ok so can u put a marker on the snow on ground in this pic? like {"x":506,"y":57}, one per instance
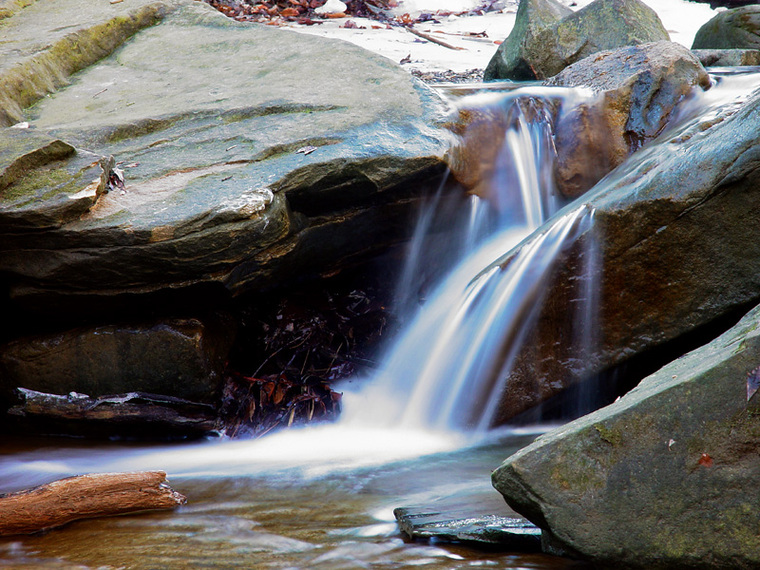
{"x":682,"y":19}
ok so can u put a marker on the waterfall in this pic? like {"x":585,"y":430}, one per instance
{"x":447,"y":369}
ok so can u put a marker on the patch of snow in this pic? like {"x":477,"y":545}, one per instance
{"x":476,"y":38}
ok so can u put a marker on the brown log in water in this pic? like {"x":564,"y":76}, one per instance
{"x":85,"y":496}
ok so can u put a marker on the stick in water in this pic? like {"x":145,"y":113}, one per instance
{"x":85,"y":496}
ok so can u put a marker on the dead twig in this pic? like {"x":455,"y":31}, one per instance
{"x":430,"y":38}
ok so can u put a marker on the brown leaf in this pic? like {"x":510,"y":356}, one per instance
{"x":706,"y":460}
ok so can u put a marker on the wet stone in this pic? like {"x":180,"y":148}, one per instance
{"x":129,"y":415}
{"x":511,"y":533}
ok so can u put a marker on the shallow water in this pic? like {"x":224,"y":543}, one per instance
{"x":283,"y":517}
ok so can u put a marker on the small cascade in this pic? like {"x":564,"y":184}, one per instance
{"x":446,"y":372}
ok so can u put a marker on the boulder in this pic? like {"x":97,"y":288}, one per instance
{"x":512,"y":59}
{"x":738,"y":28}
{"x":632,"y":94}
{"x":178,"y":357}
{"x":666,"y":255}
{"x":668,"y":476}
{"x":727,"y":57}
{"x":546,"y":38}
{"x":638,"y":89}
{"x":243,"y":166}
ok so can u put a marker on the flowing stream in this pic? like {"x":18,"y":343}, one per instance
{"x":415,"y":434}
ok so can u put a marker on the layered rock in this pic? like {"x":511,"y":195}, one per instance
{"x":638,"y":89}
{"x":144,"y":186}
{"x":547,"y":37}
{"x":209,"y":143}
{"x":738,"y":28}
{"x":666,"y":250}
{"x":667,"y":476}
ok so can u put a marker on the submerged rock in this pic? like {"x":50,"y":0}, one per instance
{"x":510,"y":533}
{"x":668,"y":476}
{"x":738,"y":28}
{"x":638,"y":89}
{"x":666,"y":254}
{"x":547,"y":37}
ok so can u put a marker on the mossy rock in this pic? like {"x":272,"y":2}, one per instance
{"x":666,"y":477}
{"x":738,"y":28}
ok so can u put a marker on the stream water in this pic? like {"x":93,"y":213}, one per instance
{"x":413,"y":435}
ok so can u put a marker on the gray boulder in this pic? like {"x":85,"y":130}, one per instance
{"x":638,"y":89}
{"x":243,"y":165}
{"x":667,"y":253}
{"x":738,"y":28}
{"x":512,"y":59}
{"x":546,"y":39}
{"x":668,"y":476}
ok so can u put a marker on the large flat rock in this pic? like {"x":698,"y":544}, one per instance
{"x":250,"y":155}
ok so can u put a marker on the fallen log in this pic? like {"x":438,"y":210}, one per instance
{"x":85,"y":496}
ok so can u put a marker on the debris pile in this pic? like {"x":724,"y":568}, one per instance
{"x":293,"y":346}
{"x":310,"y":12}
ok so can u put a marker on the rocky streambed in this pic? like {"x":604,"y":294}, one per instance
{"x":201,"y":221}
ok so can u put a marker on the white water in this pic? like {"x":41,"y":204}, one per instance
{"x":447,"y":370}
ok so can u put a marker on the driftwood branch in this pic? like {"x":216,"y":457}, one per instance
{"x":433,"y":39}
{"x":85,"y":496}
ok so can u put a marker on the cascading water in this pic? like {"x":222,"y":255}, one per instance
{"x":318,"y":497}
{"x":442,"y":379}
{"x":446,"y":372}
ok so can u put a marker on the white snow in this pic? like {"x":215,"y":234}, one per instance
{"x":682,"y":19}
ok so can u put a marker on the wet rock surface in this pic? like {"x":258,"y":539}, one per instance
{"x":738,"y":28}
{"x":216,"y":189}
{"x":180,"y":357}
{"x":665,"y":477}
{"x":134,"y":415}
{"x":547,"y":37}
{"x":510,"y":533}
{"x":638,"y":90}
{"x":669,"y":232}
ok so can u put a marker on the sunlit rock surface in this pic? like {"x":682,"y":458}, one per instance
{"x":547,"y":36}
{"x":639,"y":89}
{"x":671,"y":254}
{"x":666,"y":477}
